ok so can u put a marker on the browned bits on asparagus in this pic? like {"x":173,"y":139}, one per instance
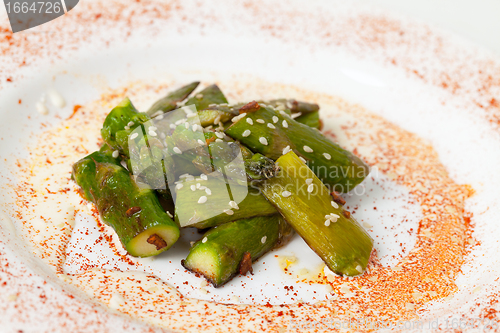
{"x":347,"y":214}
{"x":246,"y":264}
{"x":337,"y":198}
{"x":157,"y":241}
{"x":250,"y":107}
{"x":131,"y":211}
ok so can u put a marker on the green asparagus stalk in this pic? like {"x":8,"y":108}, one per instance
{"x":223,"y":201}
{"x":310,"y":119}
{"x":231,"y":248}
{"x":212,"y":106}
{"x":327,"y":228}
{"x":134,"y":213}
{"x":171,"y":101}
{"x":273,"y":134}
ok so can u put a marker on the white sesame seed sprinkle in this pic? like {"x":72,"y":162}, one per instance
{"x":152,"y":133}
{"x":172,"y":126}
{"x":179,"y":186}
{"x":201,"y":142}
{"x":285,"y":124}
{"x":263,"y":239}
{"x":177,"y":150}
{"x":260,"y":121}
{"x":335,"y":205}
{"x":153,"y":128}
{"x":327,"y":156}
{"x":283,"y":113}
{"x":169,"y":214}
{"x":271,"y":126}
{"x":160,"y":117}
{"x":228,"y":211}
{"x":180,"y":121}
{"x":263,"y":140}
{"x":308,"y":149}
{"x":302,"y":159}
{"x":203,"y":176}
{"x":359,"y":268}
{"x":204,"y":240}
{"x":115,"y":154}
{"x":219,"y":140}
{"x":202,"y":199}
{"x":286,"y":150}
{"x":233,"y":204}
{"x":217,"y":120}
{"x":193,"y":188}
{"x":309,"y":181}
{"x":126,"y":128}
{"x":296,"y":115}
{"x":275,"y":119}
{"x":246,"y":133}
{"x":134,"y":135}
{"x":198,"y":185}
{"x":327,"y":223}
{"x":286,"y":194}
{"x":208,"y":191}
{"x":310,"y":188}
{"x":130,"y":123}
{"x":199,"y":96}
{"x":250,"y":121}
{"x":195,"y":127}
{"x":186,"y":125}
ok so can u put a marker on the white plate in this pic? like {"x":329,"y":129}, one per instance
{"x":403,"y":71}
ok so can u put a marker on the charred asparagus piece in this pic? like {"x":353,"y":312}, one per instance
{"x":223,"y":202}
{"x":170,"y":102}
{"x":230,"y":249}
{"x":134,"y":213}
{"x":272,"y":134}
{"x":307,"y":206}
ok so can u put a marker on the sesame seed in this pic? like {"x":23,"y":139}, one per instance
{"x":177,"y":150}
{"x":327,"y":156}
{"x":180,"y":121}
{"x":228,"y":211}
{"x":233,"y":205}
{"x":359,"y":268}
{"x":198,"y":185}
{"x":191,"y":115}
{"x":162,"y":135}
{"x":286,"y":194}
{"x":169,"y":214}
{"x":219,"y":140}
{"x":219,"y":135}
{"x":179,"y":186}
{"x":308,"y":149}
{"x":285,"y":124}
{"x":246,"y":133}
{"x":327,"y":223}
{"x":237,"y":118}
{"x":263,"y":140}
{"x":275,"y":119}
{"x":286,"y":150}
{"x":203,"y":176}
{"x":201,"y":142}
{"x":280,"y":106}
{"x":202,"y":199}
{"x":263,"y":239}
{"x":130,"y":123}
{"x":309,"y":181}
{"x":134,"y":135}
{"x":152,"y":133}
{"x":152,"y":128}
{"x":271,"y":126}
{"x":184,"y":175}
{"x":302,"y":159}
{"x":204,"y":240}
{"x":208,"y":191}
{"x":310,"y":188}
{"x":260,"y":121}
{"x":115,"y":154}
{"x":202,"y":188}
{"x":160,"y":117}
{"x":193,"y":188}
{"x":217,"y":119}
{"x":296,"y":115}
{"x":283,"y":113}
{"x":126,"y":128}
{"x":224,"y":104}
{"x":186,"y":125}
{"x":250,"y":121}
{"x":335,"y":205}
{"x":199,"y":96}
{"x":195,"y":127}
{"x":172,"y":126}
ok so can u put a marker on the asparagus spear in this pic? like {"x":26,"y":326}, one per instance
{"x":134,"y":213}
{"x":327,"y":228}
{"x":272,"y":134}
{"x":170,"y":102}
{"x":223,"y":202}
{"x":230,"y":249}
{"x":310,"y":119}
